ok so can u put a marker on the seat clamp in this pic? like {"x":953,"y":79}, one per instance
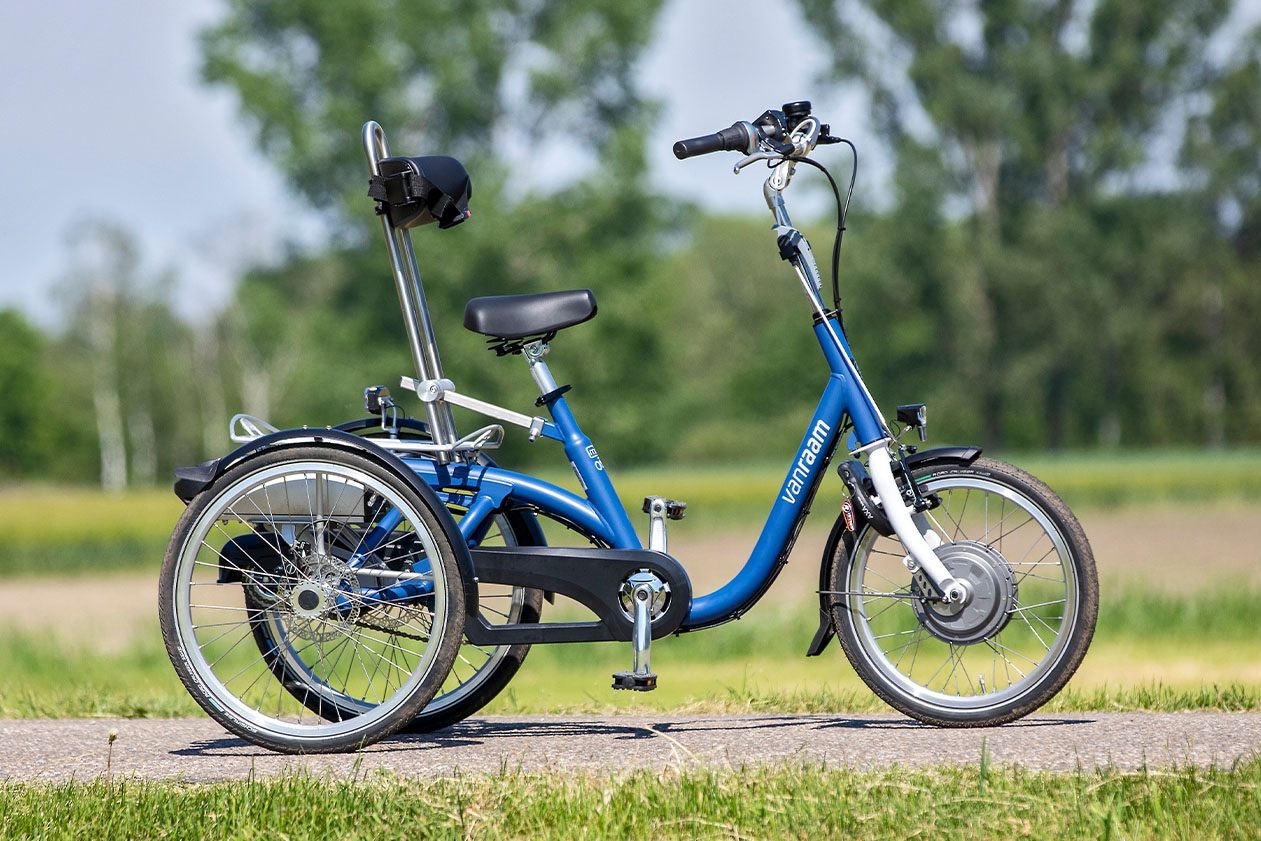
{"x":543,"y":399}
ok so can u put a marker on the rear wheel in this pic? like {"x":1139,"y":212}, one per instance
{"x":1034,"y":598}
{"x":479,"y":673}
{"x":265,"y":553}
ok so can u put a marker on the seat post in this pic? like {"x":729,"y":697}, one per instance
{"x":534,"y":353}
{"x":411,"y":298}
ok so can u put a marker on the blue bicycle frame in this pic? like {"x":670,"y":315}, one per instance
{"x":602,"y":514}
{"x":485,"y":490}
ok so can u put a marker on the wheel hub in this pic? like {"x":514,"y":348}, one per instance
{"x":990,"y":595}
{"x":309,"y":600}
{"x":313,"y":604}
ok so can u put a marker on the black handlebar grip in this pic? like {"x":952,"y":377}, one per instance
{"x":731,"y":139}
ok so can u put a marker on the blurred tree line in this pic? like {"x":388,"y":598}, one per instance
{"x":1066,"y":259}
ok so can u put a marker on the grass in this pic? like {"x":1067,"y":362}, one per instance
{"x":1152,"y":651}
{"x":80,"y":530}
{"x":67,"y":530}
{"x":787,"y":801}
{"x":730,"y":494}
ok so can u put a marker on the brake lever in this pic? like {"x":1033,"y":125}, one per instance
{"x":754,"y":158}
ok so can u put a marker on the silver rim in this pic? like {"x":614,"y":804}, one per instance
{"x":365,"y":654}
{"x":937,"y":672}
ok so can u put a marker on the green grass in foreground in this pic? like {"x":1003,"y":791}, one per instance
{"x":754,"y":665}
{"x":778,"y":802}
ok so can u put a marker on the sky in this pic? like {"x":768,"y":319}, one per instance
{"x":105,"y":118}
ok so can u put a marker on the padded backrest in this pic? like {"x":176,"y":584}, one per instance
{"x":416,"y":191}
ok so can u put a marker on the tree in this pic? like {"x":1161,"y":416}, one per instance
{"x":437,"y":76}
{"x":22,"y":389}
{"x":1041,"y":115}
{"x":1222,"y":151}
{"x":474,"y":81}
{"x":124,"y":345}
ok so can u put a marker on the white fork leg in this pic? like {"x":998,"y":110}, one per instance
{"x":880,"y":466}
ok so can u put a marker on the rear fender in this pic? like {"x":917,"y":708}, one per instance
{"x":190,"y":481}
{"x":841,"y":540}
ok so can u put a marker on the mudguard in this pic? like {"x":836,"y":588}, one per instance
{"x":962,"y":456}
{"x":190,"y":481}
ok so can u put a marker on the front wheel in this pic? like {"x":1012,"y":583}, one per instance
{"x":1022,"y":633}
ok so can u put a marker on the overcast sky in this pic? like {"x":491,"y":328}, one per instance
{"x":104,"y":116}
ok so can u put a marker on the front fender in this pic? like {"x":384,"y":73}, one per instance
{"x":841,"y":540}
{"x":190,"y":481}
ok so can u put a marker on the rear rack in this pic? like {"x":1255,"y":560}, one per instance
{"x":243,"y":429}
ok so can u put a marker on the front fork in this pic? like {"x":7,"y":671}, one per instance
{"x":918,"y":538}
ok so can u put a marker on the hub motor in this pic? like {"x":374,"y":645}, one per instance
{"x":991,"y":595}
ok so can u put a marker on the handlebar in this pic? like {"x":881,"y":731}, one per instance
{"x":779,"y":132}
{"x":740,"y":137}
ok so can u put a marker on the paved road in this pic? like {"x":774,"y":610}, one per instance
{"x":198,"y":750}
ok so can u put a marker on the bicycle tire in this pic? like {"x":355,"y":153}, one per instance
{"x":1018,"y":601}
{"x":414,"y":646}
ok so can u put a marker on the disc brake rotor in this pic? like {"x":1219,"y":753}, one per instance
{"x":992,"y":588}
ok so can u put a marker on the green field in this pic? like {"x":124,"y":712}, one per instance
{"x":1171,"y":635}
{"x":1166,"y":641}
{"x":59,"y":530}
{"x":753,"y":665}
{"x":784,"y":802}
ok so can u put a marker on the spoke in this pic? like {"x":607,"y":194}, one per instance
{"x":958,"y":526}
{"x":482,"y":649}
{"x":1053,"y":631}
{"x":898,"y":648}
{"x":251,"y":664}
{"x":1037,"y":563}
{"x":877,"y":573}
{"x":1016,"y":653}
{"x":229,"y":630}
{"x":468,"y":663}
{"x":1003,"y":515}
{"x":928,"y":683}
{"x":240,"y":639}
{"x":954,"y":669}
{"x":1009,"y":532}
{"x":1007,"y":664}
{"x":881,"y":611}
{"x":962,"y":512}
{"x":895,"y":634}
{"x":1023,"y":607}
{"x":919,"y":629}
{"x":220,"y":607}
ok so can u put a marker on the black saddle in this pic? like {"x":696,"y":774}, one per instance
{"x":504,"y":317}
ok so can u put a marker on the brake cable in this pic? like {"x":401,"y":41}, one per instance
{"x":842,"y":210}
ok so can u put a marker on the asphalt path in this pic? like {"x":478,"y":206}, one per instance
{"x":198,"y":750}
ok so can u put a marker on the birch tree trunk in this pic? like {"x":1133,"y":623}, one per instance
{"x":106,"y":399}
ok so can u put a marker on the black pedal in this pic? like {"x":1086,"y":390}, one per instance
{"x":674,"y":509}
{"x":634,"y":682}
